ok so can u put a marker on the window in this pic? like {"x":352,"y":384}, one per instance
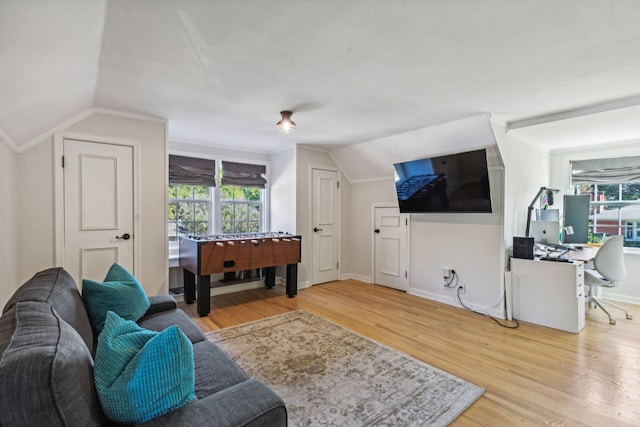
{"x":190,"y":186}
{"x":240,"y":209}
{"x":241,"y":193}
{"x":189,"y":210}
{"x":196,"y":207}
{"x":614,"y":187}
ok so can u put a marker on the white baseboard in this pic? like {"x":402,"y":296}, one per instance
{"x":621,"y":298}
{"x":302,"y":285}
{"x":451,"y":300}
{"x":365,"y":279}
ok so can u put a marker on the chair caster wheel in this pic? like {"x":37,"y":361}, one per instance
{"x":612,"y":321}
{"x":630,"y":317}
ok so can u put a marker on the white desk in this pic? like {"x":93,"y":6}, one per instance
{"x":548,"y":293}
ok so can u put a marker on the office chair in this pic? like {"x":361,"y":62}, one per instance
{"x":608,"y":271}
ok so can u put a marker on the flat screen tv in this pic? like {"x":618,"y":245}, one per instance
{"x":452,"y":183}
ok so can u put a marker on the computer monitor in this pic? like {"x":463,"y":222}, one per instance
{"x":548,"y":215}
{"x":545,"y":232}
{"x":576,"y":215}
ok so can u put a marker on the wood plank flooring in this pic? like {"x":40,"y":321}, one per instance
{"x":532,"y":375}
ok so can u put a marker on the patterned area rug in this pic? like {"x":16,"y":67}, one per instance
{"x":330,"y":376}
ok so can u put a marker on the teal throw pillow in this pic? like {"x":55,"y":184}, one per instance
{"x":120,"y":292}
{"x":141,"y":374}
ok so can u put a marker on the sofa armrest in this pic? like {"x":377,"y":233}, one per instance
{"x":249,"y":403}
{"x":160,"y":303}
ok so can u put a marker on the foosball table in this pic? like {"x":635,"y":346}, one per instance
{"x":201,"y":256}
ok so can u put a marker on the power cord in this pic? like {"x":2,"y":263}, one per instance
{"x":458,"y":291}
{"x":449,"y":282}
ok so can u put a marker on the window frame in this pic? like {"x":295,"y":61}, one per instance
{"x":259,"y":203}
{"x":622,"y":226}
{"x":192,"y":201}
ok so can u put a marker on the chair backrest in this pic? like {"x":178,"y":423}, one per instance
{"x":609,"y":260}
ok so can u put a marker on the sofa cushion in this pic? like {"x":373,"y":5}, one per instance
{"x":120,"y":292}
{"x":46,"y":370}
{"x":56,"y":287}
{"x":164,"y":319}
{"x":215,"y":369}
{"x":141,"y":374}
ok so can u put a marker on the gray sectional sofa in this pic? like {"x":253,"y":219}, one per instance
{"x":46,"y":365}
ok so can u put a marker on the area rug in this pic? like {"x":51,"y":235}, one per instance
{"x":330,"y":376}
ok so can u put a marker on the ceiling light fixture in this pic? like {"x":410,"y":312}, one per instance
{"x":286,"y":125}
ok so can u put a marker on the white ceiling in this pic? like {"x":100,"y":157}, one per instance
{"x":352,"y":71}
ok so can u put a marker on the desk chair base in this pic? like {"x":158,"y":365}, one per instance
{"x":600,"y":301}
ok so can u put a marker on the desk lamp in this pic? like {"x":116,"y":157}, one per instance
{"x":549,"y":192}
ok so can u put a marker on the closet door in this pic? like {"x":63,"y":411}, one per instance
{"x":98,"y":208}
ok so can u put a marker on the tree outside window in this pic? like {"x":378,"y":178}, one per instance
{"x":189,"y":210}
{"x":240,"y":209}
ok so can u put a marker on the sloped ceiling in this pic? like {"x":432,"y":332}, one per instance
{"x":352,"y":71}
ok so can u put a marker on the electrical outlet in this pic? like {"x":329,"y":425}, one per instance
{"x":446,"y":272}
{"x":462,"y":288}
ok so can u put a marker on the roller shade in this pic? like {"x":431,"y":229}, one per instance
{"x":192,"y":171}
{"x":244,"y":174}
{"x":615,"y":170}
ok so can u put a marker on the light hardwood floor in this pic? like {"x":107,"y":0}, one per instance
{"x":532,"y":375}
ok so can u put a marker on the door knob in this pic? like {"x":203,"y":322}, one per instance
{"x":125,"y":236}
{"x":316,"y":229}
{"x":377,"y":230}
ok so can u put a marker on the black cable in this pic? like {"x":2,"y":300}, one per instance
{"x":477,"y":312}
{"x":450,"y":280}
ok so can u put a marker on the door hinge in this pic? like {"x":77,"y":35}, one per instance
{"x":62,"y":161}
{"x":405,"y":274}
{"x":338,"y":182}
{"x":406,"y":221}
{"x":338,"y":264}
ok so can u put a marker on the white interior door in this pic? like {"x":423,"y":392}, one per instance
{"x":325,"y":223}
{"x":391,"y":252}
{"x":98,"y":208}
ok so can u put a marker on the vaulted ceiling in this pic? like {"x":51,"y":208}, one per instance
{"x":351,"y":71}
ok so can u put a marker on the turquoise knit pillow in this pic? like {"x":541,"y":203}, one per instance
{"x":142,"y":374}
{"x":120,"y":292}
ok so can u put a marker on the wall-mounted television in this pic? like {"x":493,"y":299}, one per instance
{"x":451,"y":183}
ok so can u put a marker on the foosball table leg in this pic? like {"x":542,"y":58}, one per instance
{"x":292,"y":280}
{"x":203,"y":284}
{"x":270,"y":277}
{"x":189,"y":283}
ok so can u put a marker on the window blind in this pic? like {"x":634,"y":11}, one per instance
{"x":615,"y":170}
{"x":243,"y":174}
{"x":192,"y":171}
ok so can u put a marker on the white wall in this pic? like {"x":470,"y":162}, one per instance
{"x":36,"y":203}
{"x":472,"y":244}
{"x":9,"y":220}
{"x":364,"y":195}
{"x":526,"y":169}
{"x":345,"y":225}
{"x":306,"y":159}
{"x":469,"y":243}
{"x":282,"y":176}
{"x":628,"y":290}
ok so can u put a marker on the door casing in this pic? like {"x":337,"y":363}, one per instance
{"x":58,"y":184}
{"x":314,"y":276}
